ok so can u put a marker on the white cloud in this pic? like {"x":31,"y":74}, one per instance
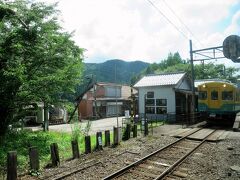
{"x":234,"y":27}
{"x":134,"y":30}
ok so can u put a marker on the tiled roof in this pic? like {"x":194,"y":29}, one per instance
{"x":160,"y":80}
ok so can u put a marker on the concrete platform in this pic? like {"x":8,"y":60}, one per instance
{"x":217,"y":136}
{"x":233,"y":135}
{"x":186,"y":132}
{"x":236,"y":125}
{"x":201,"y":134}
{"x":177,"y":132}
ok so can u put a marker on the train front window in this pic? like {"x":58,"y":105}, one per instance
{"x":202,"y":95}
{"x":214,"y":95}
{"x":227,"y":95}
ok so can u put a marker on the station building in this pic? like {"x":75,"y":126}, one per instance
{"x":163,"y":94}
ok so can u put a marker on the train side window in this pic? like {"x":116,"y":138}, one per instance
{"x":202,"y":95}
{"x":214,"y":95}
{"x":227,"y":95}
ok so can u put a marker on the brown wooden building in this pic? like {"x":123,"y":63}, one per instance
{"x":105,"y":100}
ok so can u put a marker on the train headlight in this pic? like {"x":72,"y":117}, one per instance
{"x":224,"y":85}
{"x":204,"y":86}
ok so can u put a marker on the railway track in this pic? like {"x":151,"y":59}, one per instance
{"x":160,"y":163}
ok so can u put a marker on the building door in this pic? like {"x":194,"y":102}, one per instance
{"x":113,"y":110}
{"x":180,"y":103}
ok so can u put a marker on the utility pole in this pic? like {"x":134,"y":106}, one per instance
{"x":116,"y":93}
{"x":95,"y":96}
{"x":46,"y":116}
{"x":193,"y":78}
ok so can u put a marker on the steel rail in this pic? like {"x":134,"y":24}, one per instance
{"x":177,"y":163}
{"x":125,"y":169}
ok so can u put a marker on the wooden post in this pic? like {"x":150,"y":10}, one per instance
{"x":87,"y":144}
{"x":107,"y":138}
{"x":116,"y":136}
{"x":75,"y":149}
{"x":135,"y":130}
{"x":54,"y":154}
{"x":34,"y":158}
{"x":145,"y":127}
{"x":99,"y":141}
{"x":128,"y":129}
{"x":12,"y":165}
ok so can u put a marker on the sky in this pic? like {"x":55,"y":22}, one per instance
{"x":148,"y":30}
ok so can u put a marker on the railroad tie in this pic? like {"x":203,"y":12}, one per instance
{"x":158,"y":163}
{"x":143,"y":173}
{"x":180,"y":174}
{"x":150,"y":167}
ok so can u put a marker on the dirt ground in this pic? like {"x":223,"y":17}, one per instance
{"x":217,"y":160}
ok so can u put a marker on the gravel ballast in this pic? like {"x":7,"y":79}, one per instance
{"x":213,"y":160}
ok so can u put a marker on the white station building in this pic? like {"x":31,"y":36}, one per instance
{"x":164,"y":94}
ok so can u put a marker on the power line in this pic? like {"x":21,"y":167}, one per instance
{"x":180,"y":20}
{"x":159,"y":11}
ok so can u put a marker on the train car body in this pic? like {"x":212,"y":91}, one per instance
{"x":219,"y":101}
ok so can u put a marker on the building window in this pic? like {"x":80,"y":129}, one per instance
{"x":214,"y":95}
{"x":161,"y":106}
{"x":113,"y":91}
{"x":161,"y":110}
{"x":150,"y":94}
{"x":155,"y":106}
{"x":161,"y":102}
{"x":202,"y":95}
{"x":227,"y":95}
{"x":150,"y":102}
{"x":150,"y":110}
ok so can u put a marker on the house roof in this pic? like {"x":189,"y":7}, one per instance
{"x":160,"y":80}
{"x":108,"y":84}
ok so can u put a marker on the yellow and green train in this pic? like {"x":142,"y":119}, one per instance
{"x":219,"y":100}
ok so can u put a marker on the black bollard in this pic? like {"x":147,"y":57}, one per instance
{"x":87,"y":144}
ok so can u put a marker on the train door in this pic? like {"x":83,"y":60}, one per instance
{"x":214,"y":98}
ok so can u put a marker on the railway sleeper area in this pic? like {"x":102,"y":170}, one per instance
{"x":163,"y":162}
{"x":170,"y":153}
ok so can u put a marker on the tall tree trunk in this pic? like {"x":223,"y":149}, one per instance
{"x":3,"y":121}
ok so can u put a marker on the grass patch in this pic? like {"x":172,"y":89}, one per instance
{"x":21,"y":141}
{"x":154,"y":124}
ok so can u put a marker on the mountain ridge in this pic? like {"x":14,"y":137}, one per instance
{"x":115,"y":70}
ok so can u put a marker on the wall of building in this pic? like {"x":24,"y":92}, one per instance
{"x":183,"y":84}
{"x":85,"y":109}
{"x":100,"y":92}
{"x":160,"y":92}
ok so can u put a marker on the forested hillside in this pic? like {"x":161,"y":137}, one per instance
{"x":111,"y":69}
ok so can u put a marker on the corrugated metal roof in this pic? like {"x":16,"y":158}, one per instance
{"x":160,"y":80}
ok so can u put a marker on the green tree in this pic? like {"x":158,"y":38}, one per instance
{"x":174,"y":63}
{"x":172,"y":60}
{"x":215,"y":71}
{"x":37,"y":64}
